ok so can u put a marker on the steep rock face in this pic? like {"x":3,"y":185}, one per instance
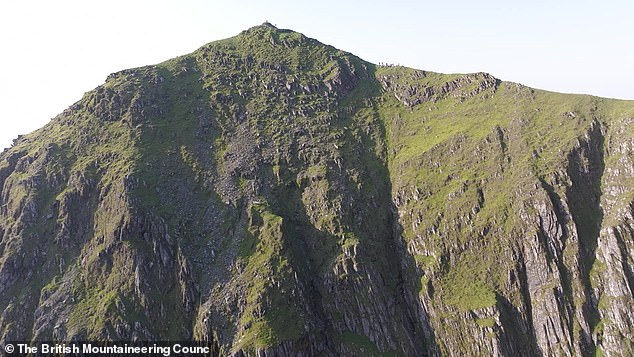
{"x":276,"y":196}
{"x":507,"y":222}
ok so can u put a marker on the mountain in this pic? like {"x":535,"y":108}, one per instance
{"x":279,"y":197}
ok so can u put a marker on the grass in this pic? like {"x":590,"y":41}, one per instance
{"x":93,"y":311}
{"x":268,"y":317}
{"x":361,"y":345}
{"x":464,"y":294}
{"x":485,"y":322}
{"x":425,"y":261}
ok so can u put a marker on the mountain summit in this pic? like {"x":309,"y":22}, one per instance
{"x":279,"y":197}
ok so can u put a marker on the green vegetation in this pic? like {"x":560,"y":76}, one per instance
{"x":94,"y":310}
{"x":486,"y":322}
{"x":269,"y":317}
{"x":425,"y":261}
{"x":466,"y":294}
{"x":361,"y":345}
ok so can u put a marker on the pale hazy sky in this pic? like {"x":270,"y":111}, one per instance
{"x":51,"y":52}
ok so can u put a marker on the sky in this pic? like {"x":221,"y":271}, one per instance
{"x":51,"y":52}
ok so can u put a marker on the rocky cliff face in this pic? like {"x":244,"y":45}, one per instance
{"x":276,"y":196}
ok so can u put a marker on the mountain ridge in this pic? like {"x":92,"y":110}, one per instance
{"x":277,"y":196}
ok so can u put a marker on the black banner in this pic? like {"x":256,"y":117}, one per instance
{"x":119,"y":348}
